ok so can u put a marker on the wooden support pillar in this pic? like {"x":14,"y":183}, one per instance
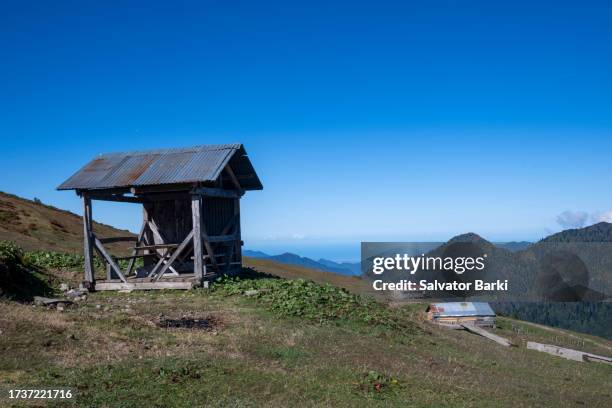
{"x":139,"y":240}
{"x":109,"y":260}
{"x":88,"y":242}
{"x":198,"y":256}
{"x":238,"y":245}
{"x":147,"y":236}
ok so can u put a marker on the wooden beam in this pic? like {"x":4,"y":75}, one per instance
{"x":162,"y":188}
{"x":199,"y":268}
{"x":132,"y":257}
{"x":156,"y":232}
{"x":145,"y":285}
{"x":108,"y":258}
{"x":154,"y":197}
{"x":234,"y":249}
{"x":175,"y":255}
{"x":480,"y":331}
{"x":569,"y":354}
{"x":156,"y":246}
{"x":103,"y":191}
{"x":118,"y":198}
{"x":87,"y":241}
{"x":158,"y":265}
{"x":221,"y":238}
{"x":229,"y":225}
{"x":130,"y":266}
{"x":232,"y":176}
{"x":111,"y":240}
{"x":206,"y":240}
{"x":142,"y":198}
{"x":217,"y":192}
{"x":147,"y":237}
{"x":237,"y":231}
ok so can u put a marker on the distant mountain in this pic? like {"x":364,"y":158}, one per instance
{"x":564,"y":273}
{"x":572,"y":265}
{"x":254,"y":254}
{"x":354,"y":267}
{"x":601,"y":232}
{"x":513,"y":246}
{"x":573,"y":258}
{"x":326,"y":265}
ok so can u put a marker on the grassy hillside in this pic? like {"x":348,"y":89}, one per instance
{"x":36,"y":226}
{"x":351,"y":283}
{"x":290,"y":343}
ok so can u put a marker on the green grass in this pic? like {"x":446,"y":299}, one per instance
{"x":294,"y":343}
{"x":36,"y":226}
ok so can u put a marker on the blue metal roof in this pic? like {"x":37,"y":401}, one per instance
{"x":164,"y":166}
{"x":453,"y":309}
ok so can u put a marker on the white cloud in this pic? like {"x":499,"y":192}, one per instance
{"x":601,"y":216}
{"x":572,"y":219}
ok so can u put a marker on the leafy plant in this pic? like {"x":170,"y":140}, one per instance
{"x":62,"y":260}
{"x":307,"y":299}
{"x":10,"y":253}
{"x":50,"y":259}
{"x":376,"y":383}
{"x":17,"y":279}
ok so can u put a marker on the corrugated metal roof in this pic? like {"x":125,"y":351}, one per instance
{"x":165,"y":166}
{"x":461,"y":309}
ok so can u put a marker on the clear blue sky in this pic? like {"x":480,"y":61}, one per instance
{"x":365,"y":121}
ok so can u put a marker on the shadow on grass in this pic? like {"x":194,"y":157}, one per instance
{"x":253,"y":274}
{"x":22,"y":284}
{"x":18,"y":279}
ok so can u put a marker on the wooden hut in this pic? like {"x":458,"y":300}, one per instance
{"x":190,"y":199}
{"x":459,"y":313}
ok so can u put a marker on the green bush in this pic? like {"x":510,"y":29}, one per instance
{"x":321,"y":303}
{"x":50,"y":259}
{"x":18,"y":280}
{"x":11,"y":254}
{"x":60,"y":260}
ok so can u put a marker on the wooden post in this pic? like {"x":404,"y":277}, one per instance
{"x":238,"y":246}
{"x":87,"y":241}
{"x":198,"y":259}
{"x":130,"y":266}
{"x":173,"y":257}
{"x":147,"y":237}
{"x":109,"y":260}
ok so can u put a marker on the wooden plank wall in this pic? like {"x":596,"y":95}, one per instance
{"x":218,"y":211}
{"x":172,"y":218}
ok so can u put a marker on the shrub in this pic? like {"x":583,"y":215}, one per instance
{"x":61,"y":260}
{"x":51,"y":259}
{"x":10,"y":253}
{"x":321,"y":303}
{"x":17,"y":279}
